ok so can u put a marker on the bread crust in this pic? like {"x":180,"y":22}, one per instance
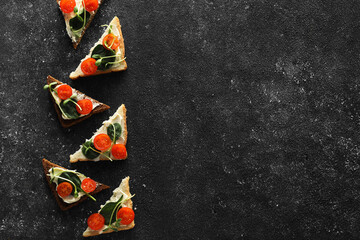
{"x":126,"y":189}
{"x":68,"y":123}
{"x":63,"y":205}
{"x":123,"y":115}
{"x":75,"y":44}
{"x":123,"y":65}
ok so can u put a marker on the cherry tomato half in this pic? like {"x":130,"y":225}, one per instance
{"x":64,"y":189}
{"x":64,"y":91}
{"x":111,"y":40}
{"x":91,"y":5}
{"x":88,"y":66}
{"x":126,"y":214}
{"x":86,"y":106}
{"x":88,"y":185}
{"x":67,"y":6}
{"x":96,"y":221}
{"x":102,"y":142}
{"x":119,"y":151}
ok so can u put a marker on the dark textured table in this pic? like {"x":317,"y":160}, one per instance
{"x":243,"y":119}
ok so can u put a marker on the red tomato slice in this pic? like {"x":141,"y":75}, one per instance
{"x":86,"y":106}
{"x":111,"y":40}
{"x":102,"y":142}
{"x":88,"y":185}
{"x":64,"y":91}
{"x":67,"y":6}
{"x":91,"y":5}
{"x":64,"y":189}
{"x":96,"y":221}
{"x":88,"y":66}
{"x":126,"y":214}
{"x":119,"y":151}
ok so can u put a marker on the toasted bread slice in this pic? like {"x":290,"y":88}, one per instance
{"x":47,"y":165}
{"x":118,"y":117}
{"x":68,"y":16}
{"x":125,"y":188}
{"x":119,"y":51}
{"x":70,"y":122}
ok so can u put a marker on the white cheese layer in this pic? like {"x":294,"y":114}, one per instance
{"x":116,"y":118}
{"x":57,"y":172}
{"x":78,"y":96}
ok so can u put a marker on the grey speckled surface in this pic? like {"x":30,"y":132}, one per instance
{"x":243,"y":118}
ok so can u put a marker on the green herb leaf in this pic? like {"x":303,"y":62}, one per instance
{"x":50,"y":86}
{"x":109,"y":211}
{"x":69,"y":109}
{"x":100,"y":52}
{"x":77,"y":22}
{"x":87,"y":151}
{"x":114,"y":131}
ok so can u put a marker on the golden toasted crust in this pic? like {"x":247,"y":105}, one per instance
{"x":126,"y":189}
{"x":123,"y":115}
{"x":68,"y":123}
{"x":75,"y":44}
{"x":47,"y":165}
{"x":123,"y":65}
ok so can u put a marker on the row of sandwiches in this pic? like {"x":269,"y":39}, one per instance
{"x":70,"y":187}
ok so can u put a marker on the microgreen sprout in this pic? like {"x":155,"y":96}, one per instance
{"x":110,"y":27}
{"x":121,"y":60}
{"x":50,"y":86}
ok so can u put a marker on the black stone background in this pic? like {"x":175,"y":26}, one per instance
{"x":243,"y":118}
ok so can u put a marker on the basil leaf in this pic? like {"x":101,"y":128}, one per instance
{"x":114,"y":130}
{"x":77,"y":22}
{"x":100,"y":51}
{"x":87,"y":151}
{"x":109,"y":211}
{"x":69,"y":109}
{"x":72,"y":177}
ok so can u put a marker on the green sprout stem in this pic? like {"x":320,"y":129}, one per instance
{"x":70,"y":100}
{"x":81,"y":19}
{"x":109,"y":47}
{"x":50,"y":86}
{"x":68,"y":180}
{"x":101,"y":153}
{"x":91,"y":197}
{"x":110,"y":27}
{"x":121,"y":60}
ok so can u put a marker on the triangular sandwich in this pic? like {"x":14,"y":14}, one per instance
{"x":107,"y":55}
{"x":108,"y":142}
{"x":77,"y":17}
{"x":71,"y":105}
{"x":68,"y":186}
{"x":115,"y":215}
